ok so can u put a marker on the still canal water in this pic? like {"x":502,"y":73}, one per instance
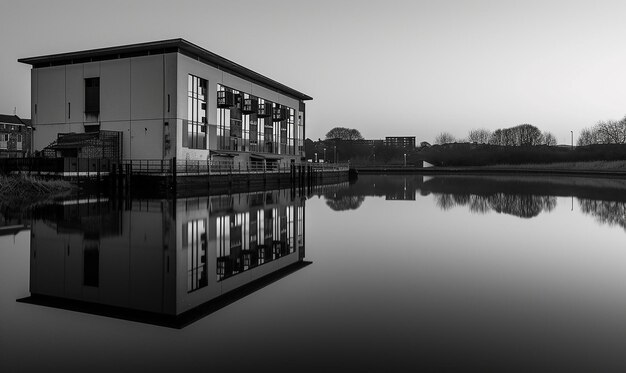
{"x":451,"y":273}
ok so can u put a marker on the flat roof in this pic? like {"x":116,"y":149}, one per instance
{"x":181,"y":46}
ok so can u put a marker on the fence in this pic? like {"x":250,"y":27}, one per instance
{"x":97,"y":166}
{"x":213,"y":167}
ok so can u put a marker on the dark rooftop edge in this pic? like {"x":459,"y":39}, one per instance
{"x":161,"y":47}
{"x":160,"y":319}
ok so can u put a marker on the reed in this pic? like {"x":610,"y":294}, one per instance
{"x":21,"y":188}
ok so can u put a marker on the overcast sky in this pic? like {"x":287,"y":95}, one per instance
{"x":386,"y":68}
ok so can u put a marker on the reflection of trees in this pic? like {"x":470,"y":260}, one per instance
{"x":342,"y":203}
{"x":445,"y":201}
{"x":605,"y":212}
{"x":521,"y":205}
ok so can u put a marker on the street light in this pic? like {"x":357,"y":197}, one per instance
{"x":324,"y":154}
{"x":404,"y":159}
{"x":335,"y":159}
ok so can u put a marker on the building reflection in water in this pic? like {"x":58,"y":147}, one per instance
{"x":167,"y":262}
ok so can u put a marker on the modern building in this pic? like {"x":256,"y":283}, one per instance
{"x":407,"y":142}
{"x":162,"y":256}
{"x":15,"y":136}
{"x":165,"y":99}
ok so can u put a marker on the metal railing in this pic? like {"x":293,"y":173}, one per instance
{"x":90,"y":166}
{"x":214,"y":167}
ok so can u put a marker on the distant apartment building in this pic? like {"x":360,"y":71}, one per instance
{"x":15,"y":136}
{"x":369,"y":142}
{"x":162,"y":100}
{"x":407,"y":142}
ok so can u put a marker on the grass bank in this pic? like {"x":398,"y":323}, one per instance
{"x":574,"y":166}
{"x":21,"y":190}
{"x":458,"y":155}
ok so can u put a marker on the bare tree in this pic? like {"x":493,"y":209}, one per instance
{"x":522,"y":135}
{"x":444,"y":138}
{"x":480,"y":136}
{"x":604,"y":132}
{"x":528,"y":135}
{"x":497,"y":137}
{"x":611,"y":132}
{"x":587,"y":137}
{"x":548,"y":139}
{"x":344,"y":134}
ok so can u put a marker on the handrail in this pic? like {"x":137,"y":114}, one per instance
{"x":213,"y":167}
{"x":159,"y":166}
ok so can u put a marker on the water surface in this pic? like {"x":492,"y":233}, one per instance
{"x":450,"y":273}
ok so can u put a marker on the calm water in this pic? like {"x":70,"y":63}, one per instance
{"x":392,"y":272}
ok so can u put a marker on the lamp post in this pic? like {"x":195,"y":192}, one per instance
{"x":404,"y":159}
{"x":335,"y":159}
{"x":315,"y":157}
{"x":324,"y":155}
{"x":572,"y":139}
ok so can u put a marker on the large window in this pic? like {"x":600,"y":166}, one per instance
{"x":4,"y":140}
{"x":195,"y":127}
{"x":249,"y":123}
{"x":92,"y":96}
{"x":300,"y":135}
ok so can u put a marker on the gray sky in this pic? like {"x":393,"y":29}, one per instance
{"x":387,"y":68}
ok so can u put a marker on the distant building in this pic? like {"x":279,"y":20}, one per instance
{"x":164,"y":99}
{"x":15,"y":136}
{"x":369,"y":142}
{"x":407,"y":142}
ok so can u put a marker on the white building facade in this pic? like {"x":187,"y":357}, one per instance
{"x":167,"y":99}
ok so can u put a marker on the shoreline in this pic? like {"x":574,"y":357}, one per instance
{"x":21,"y":191}
{"x":498,"y":170}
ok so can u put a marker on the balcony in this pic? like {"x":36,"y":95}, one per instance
{"x":225,"y":99}
{"x":279,"y":114}
{"x":250,"y":106}
{"x":265,"y":110}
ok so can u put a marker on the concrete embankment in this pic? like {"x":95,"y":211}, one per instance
{"x":230,"y":183}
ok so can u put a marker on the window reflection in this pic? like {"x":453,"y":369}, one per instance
{"x":163,"y":256}
{"x":195,"y":242}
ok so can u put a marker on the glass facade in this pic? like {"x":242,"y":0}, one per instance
{"x":195,"y":127}
{"x":249,"y":123}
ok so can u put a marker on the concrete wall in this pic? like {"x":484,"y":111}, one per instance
{"x":143,"y":97}
{"x":136,"y":98}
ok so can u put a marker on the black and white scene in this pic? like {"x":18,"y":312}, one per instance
{"x":312,"y":186}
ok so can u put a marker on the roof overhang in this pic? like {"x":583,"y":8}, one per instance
{"x":223,"y":153}
{"x":266,"y":156}
{"x":181,"y":46}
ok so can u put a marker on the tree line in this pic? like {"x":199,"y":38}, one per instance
{"x":604,"y":132}
{"x":521,"y":135}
